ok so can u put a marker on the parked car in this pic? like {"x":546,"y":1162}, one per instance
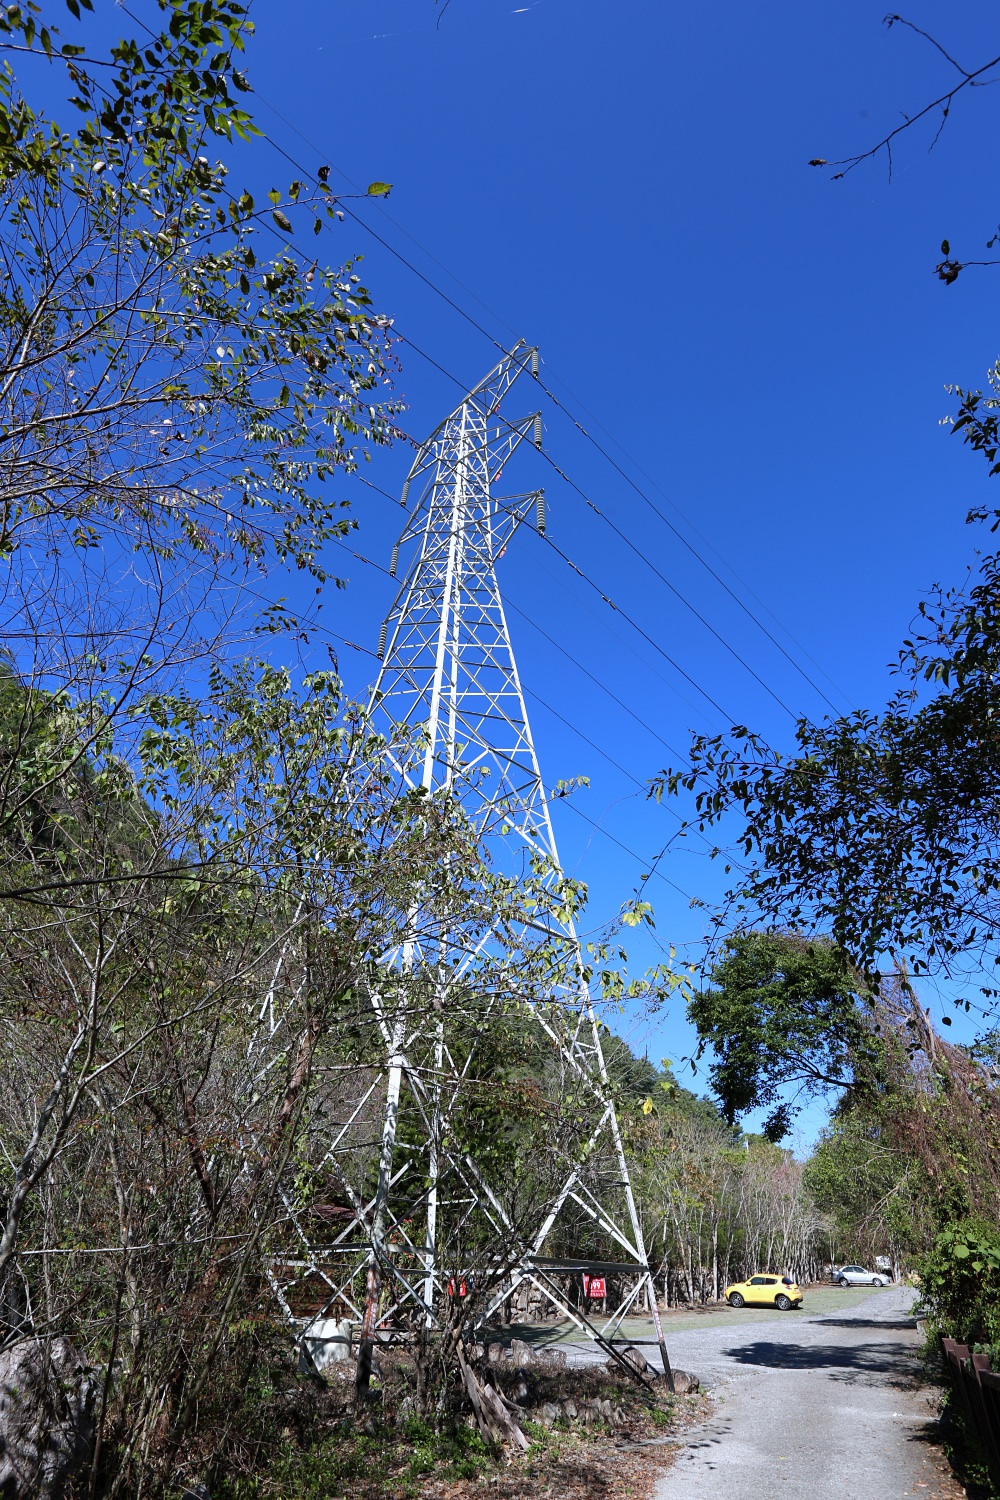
{"x":765,"y":1291}
{"x":858,"y":1276}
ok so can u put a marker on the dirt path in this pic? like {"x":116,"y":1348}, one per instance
{"x":825,"y":1404}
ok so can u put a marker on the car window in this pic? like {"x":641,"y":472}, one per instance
{"x":758,"y":1281}
{"x":770,"y":1280}
{"x":787,"y":1281}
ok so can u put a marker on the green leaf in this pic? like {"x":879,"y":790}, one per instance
{"x":961,"y":1252}
{"x":379,"y":189}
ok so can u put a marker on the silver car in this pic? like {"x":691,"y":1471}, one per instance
{"x":858,"y":1276}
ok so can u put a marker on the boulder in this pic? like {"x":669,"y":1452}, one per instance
{"x":635,"y":1357}
{"x":549,"y":1413}
{"x":520,"y":1352}
{"x":570,"y":1408}
{"x":325,"y":1342}
{"x":48,"y":1394}
{"x":685,"y":1384}
{"x":552,"y":1359}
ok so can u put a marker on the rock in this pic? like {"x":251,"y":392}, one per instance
{"x":520,"y":1352}
{"x":495,"y":1353}
{"x":549,"y":1413}
{"x":618,"y":1416}
{"x":476,"y":1353}
{"x":569,"y":1406}
{"x":607,"y":1411}
{"x":552,"y":1359}
{"x":635,"y":1357}
{"x":325,"y":1342}
{"x":47,"y":1398}
{"x":685,"y":1384}
{"x":521,"y":1391}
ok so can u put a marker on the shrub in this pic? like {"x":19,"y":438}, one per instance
{"x":960,"y":1282}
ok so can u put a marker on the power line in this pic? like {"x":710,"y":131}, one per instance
{"x":650,"y":640}
{"x":693,"y":550}
{"x":319,"y":629}
{"x":699,"y":534}
{"x":693,"y":900}
{"x":586,"y":577}
{"x":642,"y":786}
{"x":604,"y":596}
{"x":282,"y":151}
{"x":561,"y":406}
{"x":573,"y":485}
{"x":603,"y":686}
{"x":474,"y":323}
{"x":650,"y":865}
{"x":666,"y":581}
{"x":402,"y":229}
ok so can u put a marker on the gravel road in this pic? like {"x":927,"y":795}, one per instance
{"x":824,"y":1403}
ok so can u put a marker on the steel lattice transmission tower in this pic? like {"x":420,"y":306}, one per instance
{"x":448,"y":674}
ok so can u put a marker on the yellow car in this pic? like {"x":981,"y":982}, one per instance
{"x":765,"y":1291}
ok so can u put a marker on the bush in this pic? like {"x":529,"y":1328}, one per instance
{"x":960,"y":1282}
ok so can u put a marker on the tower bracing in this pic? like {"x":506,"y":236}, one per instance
{"x":491,"y":1174}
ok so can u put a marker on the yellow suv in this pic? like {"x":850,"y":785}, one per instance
{"x":765,"y":1291}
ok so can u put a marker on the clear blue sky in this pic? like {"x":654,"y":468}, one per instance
{"x":627,"y":186}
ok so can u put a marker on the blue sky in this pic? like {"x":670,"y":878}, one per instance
{"x":763,"y":350}
{"x":628,"y":188}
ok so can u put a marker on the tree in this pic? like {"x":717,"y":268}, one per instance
{"x":177,"y":400}
{"x":161,"y":380}
{"x":162,"y":1024}
{"x":780,"y":1012}
{"x":881,"y":829}
{"x":871,"y":1192}
{"x":205,"y":861}
{"x":188,"y":886}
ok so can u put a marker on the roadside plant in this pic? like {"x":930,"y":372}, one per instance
{"x":960,"y":1282}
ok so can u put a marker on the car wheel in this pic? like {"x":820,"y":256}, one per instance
{"x":735,"y":1300}
{"x":877,"y":1281}
{"x":843,"y":1281}
{"x":782,"y":1302}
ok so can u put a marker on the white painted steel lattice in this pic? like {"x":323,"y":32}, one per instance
{"x":449,"y":676}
